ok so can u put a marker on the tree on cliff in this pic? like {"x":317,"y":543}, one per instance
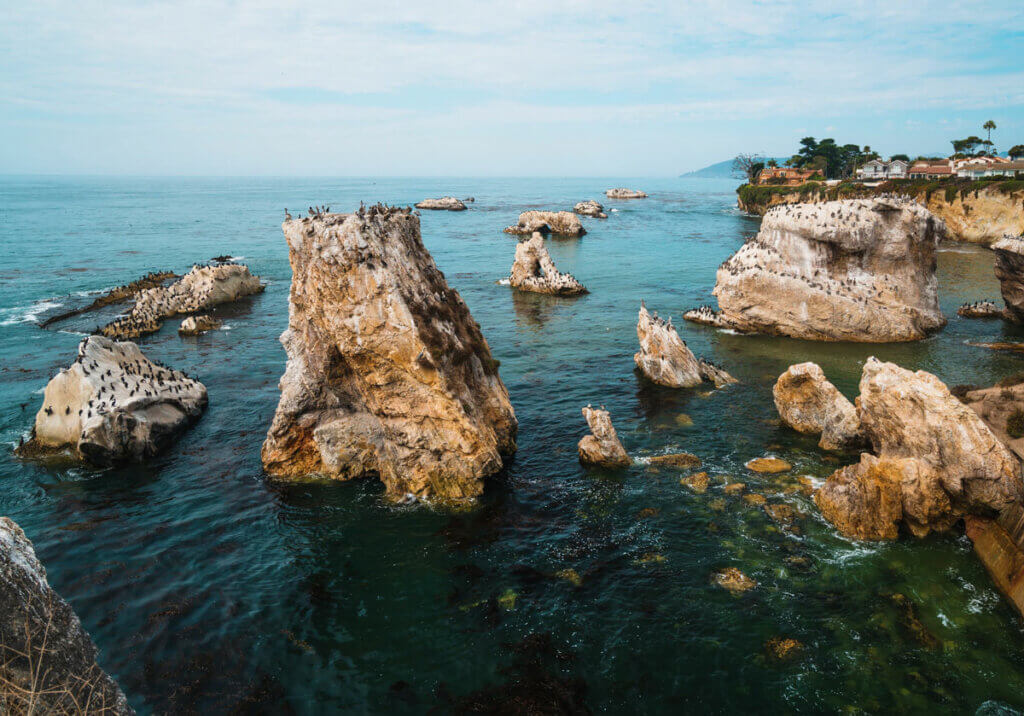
{"x":969,"y":145}
{"x":1017,"y":151}
{"x":833,"y":160}
{"x":989,"y":126}
{"x":748,"y":165}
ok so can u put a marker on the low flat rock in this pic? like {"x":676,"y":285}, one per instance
{"x":445,"y":203}
{"x":623,"y":193}
{"x":561,"y":223}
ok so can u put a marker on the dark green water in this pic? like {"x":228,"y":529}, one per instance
{"x":210,"y":588}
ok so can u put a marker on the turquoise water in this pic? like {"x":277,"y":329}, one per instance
{"x":209,"y":587}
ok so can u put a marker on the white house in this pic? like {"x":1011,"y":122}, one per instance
{"x":979,"y":170}
{"x":881,"y":169}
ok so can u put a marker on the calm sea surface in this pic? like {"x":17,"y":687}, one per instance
{"x":209,"y":587}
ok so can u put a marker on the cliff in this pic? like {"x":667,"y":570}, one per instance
{"x":1009,"y":270}
{"x":387,"y":373}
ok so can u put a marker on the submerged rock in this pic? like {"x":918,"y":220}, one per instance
{"x":675,"y":459}
{"x":387,"y":373}
{"x":697,"y":482}
{"x":114,"y":404}
{"x":533,"y":270}
{"x":1010,"y":272}
{"x":602,"y":446}
{"x":783,"y":649}
{"x":445,"y":203}
{"x":734,"y":580}
{"x":194,"y":325}
{"x":851,"y":270}
{"x":768,"y":465}
{"x":47,"y":660}
{"x":665,"y":359}
{"x":590,"y":208}
{"x":623,"y":193}
{"x":562,"y":223}
{"x":809,"y":403}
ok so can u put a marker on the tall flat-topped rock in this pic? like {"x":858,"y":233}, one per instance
{"x":851,"y":270}
{"x":114,"y":404}
{"x":1010,"y":272}
{"x":665,"y":359}
{"x":445,"y":203}
{"x":562,"y":223}
{"x":388,"y":373}
{"x":624,"y":193}
{"x":533,"y":270}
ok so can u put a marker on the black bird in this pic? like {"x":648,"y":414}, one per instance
{"x":49,"y":410}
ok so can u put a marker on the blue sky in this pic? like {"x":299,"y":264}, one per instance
{"x":466,"y":87}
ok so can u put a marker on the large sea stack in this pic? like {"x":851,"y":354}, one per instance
{"x":852,"y":270}
{"x":387,"y":373}
{"x":665,"y":359}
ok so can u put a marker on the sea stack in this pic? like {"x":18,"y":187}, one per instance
{"x":114,"y":404}
{"x":388,"y":373}
{"x":590,"y":208}
{"x":665,"y":359}
{"x":851,"y":270}
{"x":809,"y":403}
{"x":445,"y":203}
{"x":1010,"y":272}
{"x":560,"y":223}
{"x":47,"y":660}
{"x":533,"y":270}
{"x":601,"y":447}
{"x":623,"y":193}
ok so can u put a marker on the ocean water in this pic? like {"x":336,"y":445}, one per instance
{"x":209,"y":587}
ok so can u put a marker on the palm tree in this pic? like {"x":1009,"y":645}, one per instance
{"x":989,"y":125}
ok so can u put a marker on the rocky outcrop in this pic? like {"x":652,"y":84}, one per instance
{"x":856,"y":270}
{"x":388,"y":373}
{"x":194,"y":325}
{"x":562,"y":223}
{"x":48,"y":663}
{"x":590,"y":208}
{"x":623,"y":193}
{"x":114,"y":404}
{"x":665,"y":359}
{"x":445,"y":203}
{"x":119,"y":293}
{"x":997,"y":542}
{"x":980,"y":309}
{"x":936,"y":460}
{"x":533,"y":270}
{"x":602,"y":446}
{"x":1002,"y":409}
{"x":200,"y":289}
{"x":809,"y":403}
{"x":1010,"y":272}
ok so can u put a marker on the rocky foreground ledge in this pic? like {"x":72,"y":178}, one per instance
{"x":852,"y":270}
{"x":47,"y":660}
{"x":388,"y":373}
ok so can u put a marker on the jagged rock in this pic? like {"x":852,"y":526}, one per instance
{"x":445,"y":203}
{"x":562,"y":223}
{"x":200,"y":289}
{"x":114,"y":404}
{"x":1002,"y":409}
{"x":623,"y":193}
{"x":851,"y":270}
{"x":809,"y":403}
{"x":533,"y":270}
{"x":665,"y":359}
{"x":706,"y":316}
{"x":602,"y":446}
{"x":387,"y":373}
{"x":47,"y":660}
{"x":936,"y":460}
{"x":980,"y":309}
{"x":1010,"y":272}
{"x":194,"y":325}
{"x":590,"y":208}
{"x":116,"y":294}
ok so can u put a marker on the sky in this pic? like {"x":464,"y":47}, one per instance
{"x":471,"y":88}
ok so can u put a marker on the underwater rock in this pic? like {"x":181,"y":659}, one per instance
{"x":590,"y":208}
{"x":114,"y":404}
{"x":734,"y":488}
{"x":602,"y":446}
{"x":445,"y":203}
{"x":623,"y":193}
{"x":734,"y":580}
{"x":387,"y":373}
{"x":47,"y":660}
{"x":768,"y":465}
{"x":809,"y":403}
{"x":533,"y":270}
{"x":980,"y":309}
{"x":1010,"y":272}
{"x":665,"y":359}
{"x":697,"y":482}
{"x":755,"y":499}
{"x":675,"y":459}
{"x":783,"y":649}
{"x":851,"y":270}
{"x":562,"y":223}
{"x":194,"y":325}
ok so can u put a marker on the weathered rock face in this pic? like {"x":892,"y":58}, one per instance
{"x":1010,"y":272}
{"x":533,"y":270}
{"x":44,"y":651}
{"x":623,"y":193}
{"x":809,"y":403}
{"x":562,"y":223}
{"x":445,"y":203}
{"x":194,"y":325}
{"x":590,"y":208}
{"x":854,"y":270}
{"x":115,"y":404}
{"x":1002,"y":409}
{"x":602,"y":446}
{"x":934,"y":454}
{"x":387,"y":372}
{"x":200,"y":289}
{"x":665,"y":359}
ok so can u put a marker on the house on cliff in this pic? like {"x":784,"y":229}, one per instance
{"x":981,"y":170}
{"x":881,"y":169}
{"x":930,"y":169}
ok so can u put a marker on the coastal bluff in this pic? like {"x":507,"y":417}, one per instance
{"x":388,"y":374}
{"x":858,"y":270}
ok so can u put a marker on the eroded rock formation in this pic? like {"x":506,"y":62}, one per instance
{"x":114,"y":404}
{"x":387,"y":373}
{"x":853,"y":270}
{"x":601,"y":447}
{"x":1002,"y":409}
{"x":590,"y":208}
{"x":1010,"y":272}
{"x":445,"y":203}
{"x":47,"y":660}
{"x":809,"y":403}
{"x":533,"y":270}
{"x":623,"y":193}
{"x":194,"y":325}
{"x":200,"y":289}
{"x":562,"y":223}
{"x":665,"y":359}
